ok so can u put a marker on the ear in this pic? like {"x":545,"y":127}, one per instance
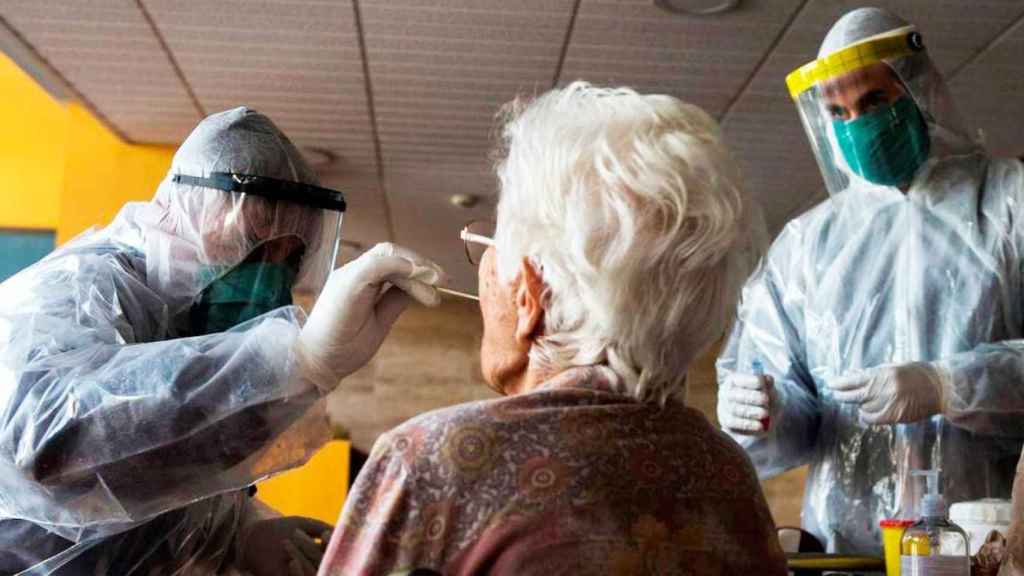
{"x":529,"y":312}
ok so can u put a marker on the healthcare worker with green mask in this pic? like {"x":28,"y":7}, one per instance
{"x":889,"y":319}
{"x":153,"y":371}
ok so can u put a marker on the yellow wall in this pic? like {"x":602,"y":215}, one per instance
{"x":317,"y":490}
{"x":102,"y":173}
{"x":61,"y":169}
{"x":33,"y":133}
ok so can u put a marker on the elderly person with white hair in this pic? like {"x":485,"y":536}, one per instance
{"x":622,"y":238}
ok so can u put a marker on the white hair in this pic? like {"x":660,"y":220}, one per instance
{"x":632,"y":209}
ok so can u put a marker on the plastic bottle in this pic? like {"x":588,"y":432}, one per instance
{"x":934,"y":546}
{"x":980,"y":517}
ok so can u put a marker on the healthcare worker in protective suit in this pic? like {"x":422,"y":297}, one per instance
{"x":888,"y":319}
{"x":152,"y":371}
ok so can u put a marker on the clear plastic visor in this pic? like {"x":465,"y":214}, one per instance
{"x":268,"y":246}
{"x":866,"y":119}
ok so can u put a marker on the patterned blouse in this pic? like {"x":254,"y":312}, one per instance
{"x":570,"y":478}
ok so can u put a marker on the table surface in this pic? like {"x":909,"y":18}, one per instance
{"x":820,"y":561}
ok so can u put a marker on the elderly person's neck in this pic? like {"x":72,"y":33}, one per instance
{"x":525,"y":381}
{"x":513,"y":320}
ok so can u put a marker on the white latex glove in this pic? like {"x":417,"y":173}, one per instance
{"x":895,"y":392}
{"x":357,"y":308}
{"x":289,"y":545}
{"x":747,"y":404}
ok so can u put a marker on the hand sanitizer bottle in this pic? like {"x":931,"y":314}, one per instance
{"x":934,"y":546}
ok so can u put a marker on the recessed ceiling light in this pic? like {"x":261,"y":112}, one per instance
{"x":697,"y":7}
{"x":318,"y":158}
{"x":464,"y":200}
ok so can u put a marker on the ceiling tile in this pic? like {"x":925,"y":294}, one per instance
{"x":701,"y":60}
{"x":440,"y":71}
{"x":990,"y":94}
{"x":449,"y":66}
{"x":106,"y":49}
{"x":298,"y":62}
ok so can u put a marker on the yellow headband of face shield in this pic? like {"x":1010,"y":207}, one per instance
{"x":895,"y":44}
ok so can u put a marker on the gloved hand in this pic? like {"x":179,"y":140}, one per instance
{"x":747,"y":404}
{"x":289,"y":545}
{"x":895,"y":392}
{"x":357,"y":308}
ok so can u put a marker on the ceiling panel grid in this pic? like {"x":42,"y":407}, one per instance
{"x":107,"y":50}
{"x":990,"y":93}
{"x":299,"y":62}
{"x":440,"y":72}
{"x":703,"y":60}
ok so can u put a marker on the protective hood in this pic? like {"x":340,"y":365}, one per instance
{"x":193,"y":234}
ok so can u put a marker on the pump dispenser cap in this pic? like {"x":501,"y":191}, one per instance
{"x":933,"y":505}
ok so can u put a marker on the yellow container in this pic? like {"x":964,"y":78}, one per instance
{"x":892,"y":533}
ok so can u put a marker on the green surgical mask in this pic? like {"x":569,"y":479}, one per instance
{"x":886,"y":146}
{"x":247,"y":291}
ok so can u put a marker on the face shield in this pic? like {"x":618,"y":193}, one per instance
{"x":239,"y":223}
{"x":877,"y":112}
{"x":266,"y":243}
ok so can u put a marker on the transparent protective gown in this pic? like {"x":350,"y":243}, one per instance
{"x":128,"y":437}
{"x":880,"y":274}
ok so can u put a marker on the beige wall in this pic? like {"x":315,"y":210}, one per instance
{"x":431,"y":359}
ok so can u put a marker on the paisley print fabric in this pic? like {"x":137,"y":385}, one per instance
{"x":571,"y":478}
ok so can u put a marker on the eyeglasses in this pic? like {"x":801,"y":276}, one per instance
{"x":476,"y":236}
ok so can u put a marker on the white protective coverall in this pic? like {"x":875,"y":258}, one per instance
{"x":128,"y":441}
{"x":877,"y":277}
